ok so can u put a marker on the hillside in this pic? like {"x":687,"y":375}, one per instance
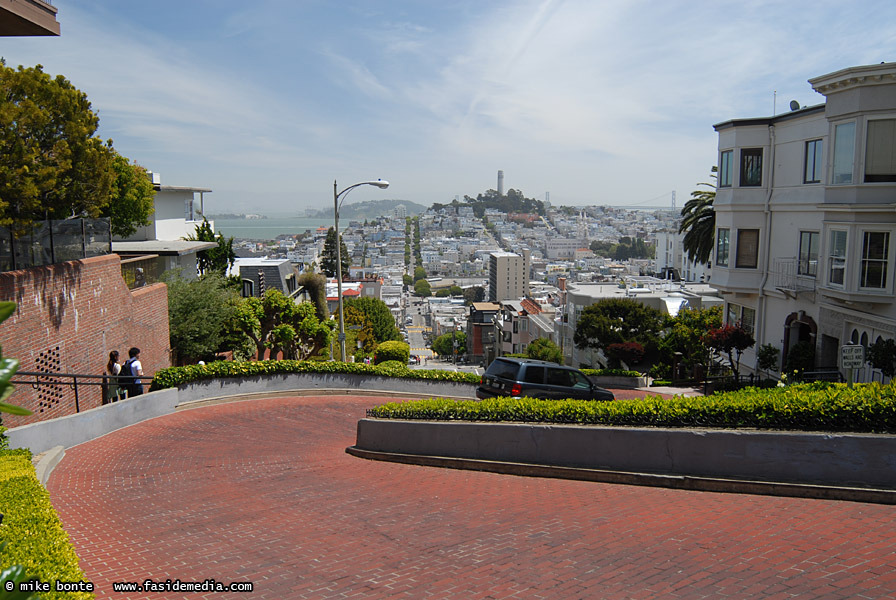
{"x":370,"y":209}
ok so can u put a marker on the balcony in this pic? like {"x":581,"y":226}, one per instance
{"x":788,"y":279}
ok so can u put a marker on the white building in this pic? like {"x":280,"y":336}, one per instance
{"x":806,"y":215}
{"x":671,"y":255}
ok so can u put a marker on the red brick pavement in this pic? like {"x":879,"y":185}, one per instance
{"x":263,"y":491}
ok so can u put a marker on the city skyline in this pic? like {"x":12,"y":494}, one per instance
{"x":598,"y":103}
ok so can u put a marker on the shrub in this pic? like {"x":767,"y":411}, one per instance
{"x":610,"y":373}
{"x":175,"y":376}
{"x":801,"y":357}
{"x":819,"y":406}
{"x":31,"y":530}
{"x":387,"y":351}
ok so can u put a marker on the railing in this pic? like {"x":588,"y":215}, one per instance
{"x":50,"y":242}
{"x":788,"y":277}
{"x":74,"y":381}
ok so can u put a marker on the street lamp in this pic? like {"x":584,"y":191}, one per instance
{"x":336,"y":195}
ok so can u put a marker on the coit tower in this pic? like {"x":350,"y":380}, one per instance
{"x":500,"y":183}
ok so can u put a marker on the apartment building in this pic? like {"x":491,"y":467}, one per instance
{"x":508,"y":276}
{"x":806,"y":215}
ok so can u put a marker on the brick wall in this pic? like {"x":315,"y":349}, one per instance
{"x":69,"y":317}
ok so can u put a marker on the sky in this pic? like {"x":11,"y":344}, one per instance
{"x":269,"y":102}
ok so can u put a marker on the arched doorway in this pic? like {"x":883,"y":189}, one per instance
{"x":798,"y":327}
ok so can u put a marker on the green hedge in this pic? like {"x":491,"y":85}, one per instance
{"x":819,"y":406}
{"x":610,"y":373}
{"x":175,"y":376}
{"x":32,"y":530}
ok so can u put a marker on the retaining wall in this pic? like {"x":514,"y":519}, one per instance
{"x":864,"y":460}
{"x":81,"y":427}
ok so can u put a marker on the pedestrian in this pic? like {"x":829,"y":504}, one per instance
{"x":134,"y":368}
{"x":113,"y":370}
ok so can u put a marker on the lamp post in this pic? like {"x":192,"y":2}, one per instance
{"x":336,"y":195}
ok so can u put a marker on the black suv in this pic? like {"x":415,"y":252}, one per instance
{"x":524,"y":377}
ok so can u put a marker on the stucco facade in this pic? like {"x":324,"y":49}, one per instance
{"x":805,"y":219}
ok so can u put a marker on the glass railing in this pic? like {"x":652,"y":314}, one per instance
{"x":50,"y":242}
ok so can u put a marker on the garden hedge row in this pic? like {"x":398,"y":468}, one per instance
{"x":175,"y":376}
{"x":31,"y":528}
{"x":820,"y":406}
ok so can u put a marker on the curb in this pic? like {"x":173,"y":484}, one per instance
{"x":311,"y":392}
{"x":46,"y":462}
{"x":679,"y":482}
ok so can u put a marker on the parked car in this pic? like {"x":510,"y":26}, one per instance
{"x":524,"y":377}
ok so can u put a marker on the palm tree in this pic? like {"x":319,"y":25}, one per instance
{"x":698,"y":222}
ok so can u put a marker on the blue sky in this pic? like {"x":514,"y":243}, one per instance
{"x":596,"y":102}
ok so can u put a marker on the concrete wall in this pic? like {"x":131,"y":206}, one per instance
{"x":808,"y":458}
{"x":78,"y":428}
{"x":69,"y":316}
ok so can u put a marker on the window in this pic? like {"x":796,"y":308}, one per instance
{"x":725,"y":168}
{"x":559,"y":377}
{"x":751,"y":167}
{"x":747,"y":248}
{"x":875,"y":250}
{"x":748,"y":319}
{"x":808,"y":261}
{"x":744,"y":315}
{"x":722,"y":246}
{"x":837,"y":258}
{"x":844,"y":152}
{"x":188,"y":209}
{"x":733,"y":314}
{"x":812,"y":173}
{"x":533,"y":374}
{"x":880,"y":151}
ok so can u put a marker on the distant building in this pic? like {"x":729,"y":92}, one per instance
{"x":508,"y":276}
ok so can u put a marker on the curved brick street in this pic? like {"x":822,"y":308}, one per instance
{"x":263,"y":491}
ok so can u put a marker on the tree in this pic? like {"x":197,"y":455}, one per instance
{"x":419,"y":273}
{"x":214,"y":260}
{"x":474,"y":294}
{"x":328,"y":256}
{"x":278,"y":323}
{"x":732,"y":340}
{"x":131,"y":203}
{"x":51,"y":165}
{"x":767,"y":357}
{"x":619,"y":320}
{"x":315,"y":285}
{"x":630,"y":353}
{"x":882,"y":355}
{"x":407,"y":279}
{"x":544,"y":349}
{"x":377,"y":312}
{"x":445,"y":344}
{"x":687,"y":334}
{"x":198,"y":314}
{"x":422,"y":288}
{"x":455,"y":290}
{"x":698,"y":222}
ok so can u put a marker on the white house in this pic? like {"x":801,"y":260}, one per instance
{"x":806,"y":215}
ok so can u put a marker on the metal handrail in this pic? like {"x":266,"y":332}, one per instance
{"x":52,"y":379}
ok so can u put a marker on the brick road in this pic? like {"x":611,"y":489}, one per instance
{"x":263,"y":491}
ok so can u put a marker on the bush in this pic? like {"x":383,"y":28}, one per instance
{"x":175,"y":376}
{"x":32,"y":530}
{"x":610,"y":373}
{"x":801,"y":357}
{"x":819,"y":406}
{"x":388,"y":351}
